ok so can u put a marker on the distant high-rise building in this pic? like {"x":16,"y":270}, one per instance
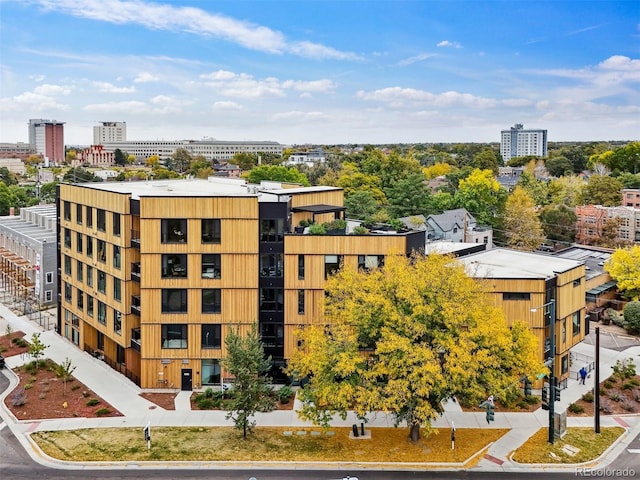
{"x":47,"y":137}
{"x":108,"y":132}
{"x":518,"y":142}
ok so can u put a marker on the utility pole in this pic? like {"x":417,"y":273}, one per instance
{"x":596,"y":384}
{"x":551,"y":364}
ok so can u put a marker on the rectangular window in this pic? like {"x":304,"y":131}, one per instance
{"x":89,"y":217}
{"x":174,"y":336}
{"x":102,"y":251}
{"x":117,"y":322}
{"x":116,"y":224}
{"x":272,"y":334}
{"x":89,"y":276}
{"x":271,"y":299}
{"x":80,"y":299}
{"x":300,"y":302}
{"x":67,"y":238}
{"x":48,"y":296}
{"x":79,"y":271}
{"x":564,"y":362}
{"x":79,"y":243}
{"x":67,"y":265}
{"x":271,"y":265}
{"x":211,"y":230}
{"x":369,"y":262}
{"x":49,"y":277}
{"x":576,"y":323}
{"x":67,"y":211}
{"x":210,"y":371}
{"x":174,"y":265}
{"x":300,"y":267}
{"x":117,"y":289}
{"x":102,"y":282}
{"x":516,"y":296}
{"x":102,"y":220}
{"x":211,"y":300}
{"x":67,"y":292}
{"x":174,"y":300}
{"x":173,"y":230}
{"x":577,"y":282}
{"x":102,"y":313}
{"x":332,"y":264}
{"x":79,"y":214}
{"x":211,"y":267}
{"x":90,"y":305}
{"x":89,"y":246}
{"x":272,"y":230}
{"x":564,"y":330}
{"x":116,"y":256}
{"x":211,"y":336}
{"x":120,"y":354}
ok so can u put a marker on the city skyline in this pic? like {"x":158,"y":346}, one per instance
{"x":321,"y":72}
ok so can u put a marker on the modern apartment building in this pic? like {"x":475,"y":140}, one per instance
{"x":209,"y":149}
{"x":47,"y":137}
{"x":518,"y":142}
{"x":523,"y":284}
{"x":155,"y":274}
{"x":631,"y":197}
{"x":108,"y":132}
{"x":591,"y":220}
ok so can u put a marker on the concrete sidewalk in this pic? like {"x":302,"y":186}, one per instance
{"x":123,"y":395}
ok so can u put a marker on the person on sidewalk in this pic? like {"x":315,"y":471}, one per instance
{"x":583,"y":375}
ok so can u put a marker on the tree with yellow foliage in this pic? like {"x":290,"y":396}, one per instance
{"x":624,"y":267}
{"x":522,"y":227}
{"x":404,"y":338}
{"x":437,"y":170}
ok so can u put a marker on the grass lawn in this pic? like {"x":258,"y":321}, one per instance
{"x":538,"y":450}
{"x":226,"y":443}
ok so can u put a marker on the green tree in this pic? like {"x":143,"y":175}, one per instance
{"x":36,"y":347}
{"x":566,"y":190}
{"x":559,"y":223}
{"x":361,"y":205}
{"x":558,"y":166}
{"x":632,"y":317}
{"x":602,"y":190}
{"x":629,"y":180}
{"x":624,"y":268}
{"x":48,"y":192}
{"x":537,"y":190}
{"x":120,"y":157}
{"x":180,"y":161}
{"x":482,"y":196}
{"x":277,"y":173}
{"x":7,"y":177}
{"x":64,"y":372}
{"x":245,"y":160}
{"x":80,"y":175}
{"x":486,"y":159}
{"x":251,"y":391}
{"x":623,"y":159}
{"x":404,"y":338}
{"x":522,"y":228}
{"x":352,"y":180}
{"x":409,"y":196}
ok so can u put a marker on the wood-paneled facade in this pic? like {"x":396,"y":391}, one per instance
{"x":153,"y":275}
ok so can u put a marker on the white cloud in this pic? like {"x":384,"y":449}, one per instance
{"x":313,"y":86}
{"x":107,"y":87}
{"x":193,"y":20}
{"x":146,"y":77}
{"x":447,"y":43}
{"x":415,"y":59}
{"x":50,"y":90}
{"x":131,"y":107}
{"x":299,"y":116}
{"x":227,"y":106}
{"x":36,"y":78}
{"x":31,"y":101}
{"x":401,"y":97}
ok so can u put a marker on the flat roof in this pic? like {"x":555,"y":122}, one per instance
{"x":593,"y":258}
{"x":448,"y":247}
{"x":505,"y":263}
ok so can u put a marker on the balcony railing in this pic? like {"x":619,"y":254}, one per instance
{"x":135,"y":305}
{"x":135,"y":239}
{"x":135,"y":272}
{"x":135,"y":339}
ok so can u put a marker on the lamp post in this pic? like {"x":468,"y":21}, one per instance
{"x":551,"y":363}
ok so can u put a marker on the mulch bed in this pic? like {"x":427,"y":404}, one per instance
{"x":46,"y":397}
{"x":8,"y":348}
{"x":614,"y":398}
{"x":164,"y":400}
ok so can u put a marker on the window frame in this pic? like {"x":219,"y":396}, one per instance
{"x":173,"y":230}
{"x":212,"y":307}
{"x":210,"y":265}
{"x":210,"y":230}
{"x":180,"y":329}
{"x":165,"y":300}
{"x":211,"y":342}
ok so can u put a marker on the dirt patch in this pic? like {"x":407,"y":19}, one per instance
{"x":9,"y":347}
{"x":164,"y":400}
{"x":617,"y":396}
{"x":45,"y":397}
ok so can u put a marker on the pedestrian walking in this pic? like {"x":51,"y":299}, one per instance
{"x":583,"y":375}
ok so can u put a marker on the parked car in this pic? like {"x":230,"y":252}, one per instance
{"x":2,"y":364}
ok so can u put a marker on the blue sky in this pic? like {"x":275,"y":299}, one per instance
{"x":312,"y":71}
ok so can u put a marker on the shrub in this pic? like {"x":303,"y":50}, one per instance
{"x":75,"y":387}
{"x":624,"y":369}
{"x":15,"y":340}
{"x":607,"y":384}
{"x":631,"y":314}
{"x":628,"y":386}
{"x":208,"y":392}
{"x":575,"y":408}
{"x":101,"y":412}
{"x":605,"y":407}
{"x":522,"y":405}
{"x":85,"y":394}
{"x":284,"y":394}
{"x":317,"y":229}
{"x":616,"y":397}
{"x":42,"y":396}
{"x":602,"y":391}
{"x":92,"y":401}
{"x":28,"y":386}
{"x":629,"y":407}
{"x":636,"y":396}
{"x":531,"y":399}
{"x":360,"y":230}
{"x":19,"y":398}
{"x":204,"y":403}
{"x":588,"y":397}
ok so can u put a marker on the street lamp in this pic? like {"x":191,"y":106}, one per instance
{"x":551,"y":363}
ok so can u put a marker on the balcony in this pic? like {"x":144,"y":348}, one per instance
{"x":135,"y":239}
{"x":135,"y":305}
{"x":135,"y":339}
{"x":135,"y":272}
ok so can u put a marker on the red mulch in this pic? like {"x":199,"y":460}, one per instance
{"x":627,"y":403}
{"x":164,"y":400}
{"x":8,"y":348}
{"x":46,"y":397}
